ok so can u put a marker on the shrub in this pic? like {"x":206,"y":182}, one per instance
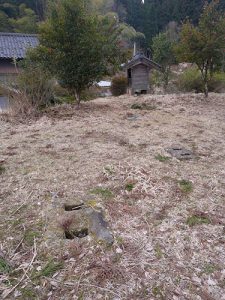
{"x":32,"y":91}
{"x":37,"y":85}
{"x":119,"y":85}
{"x":90,"y":93}
{"x":191,"y":81}
{"x":217,"y":83}
{"x":156,"y":78}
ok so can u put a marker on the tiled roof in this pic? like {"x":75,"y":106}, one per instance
{"x":15,"y":45}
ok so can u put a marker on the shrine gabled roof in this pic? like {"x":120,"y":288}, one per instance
{"x":142,"y":59}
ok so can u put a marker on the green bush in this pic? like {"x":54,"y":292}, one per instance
{"x":156,"y":78}
{"x":191,"y":81}
{"x":217,"y":83}
{"x":62,"y":95}
{"x":119,"y":85}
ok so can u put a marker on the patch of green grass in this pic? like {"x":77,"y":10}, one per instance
{"x":185,"y":186}
{"x":65,"y":99}
{"x":157,"y":292}
{"x":158,"y":252}
{"x":197,"y":220}
{"x":30,"y":235}
{"x":2,"y":169}
{"x":49,"y":269}
{"x":81,"y":296}
{"x":209,"y":269}
{"x":104,"y":193}
{"x":16,"y":222}
{"x":148,"y":107}
{"x":136,"y":106}
{"x":109,"y":170}
{"x":119,"y":240}
{"x":162,"y":158}
{"x":143,"y":106}
{"x":178,"y":280}
{"x":4,"y":266}
{"x":129,"y":187}
{"x":28,"y":294}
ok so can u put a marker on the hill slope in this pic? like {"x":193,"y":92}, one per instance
{"x":167,"y":215}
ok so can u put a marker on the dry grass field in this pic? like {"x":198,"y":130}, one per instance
{"x":167,"y":215}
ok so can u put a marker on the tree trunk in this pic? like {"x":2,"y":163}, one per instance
{"x":77,"y":97}
{"x":166,"y":77}
{"x":206,"y":83}
{"x":206,"y":89}
{"x":204,"y":72}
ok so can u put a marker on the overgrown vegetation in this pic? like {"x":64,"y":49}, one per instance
{"x":119,"y":85}
{"x":32,"y":91}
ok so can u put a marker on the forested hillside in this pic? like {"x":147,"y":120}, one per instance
{"x":21,"y":15}
{"x":153,"y":16}
{"x":149,"y":17}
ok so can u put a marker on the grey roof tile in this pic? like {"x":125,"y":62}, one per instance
{"x":15,"y":45}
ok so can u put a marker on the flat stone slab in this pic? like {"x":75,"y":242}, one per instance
{"x":98,"y":227}
{"x":132,"y":117}
{"x":180,"y":153}
{"x":4,"y":104}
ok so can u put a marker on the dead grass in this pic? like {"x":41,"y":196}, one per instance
{"x":167,"y":216}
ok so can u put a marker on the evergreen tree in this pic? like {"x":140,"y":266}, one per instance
{"x":75,"y":46}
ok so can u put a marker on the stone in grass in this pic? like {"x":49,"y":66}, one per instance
{"x":98,"y":227}
{"x":74,"y":224}
{"x":132,"y":117}
{"x":75,"y":205}
{"x":81,"y":220}
{"x":180,"y":153}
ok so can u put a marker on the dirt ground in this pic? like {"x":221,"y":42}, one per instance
{"x":167,"y":215}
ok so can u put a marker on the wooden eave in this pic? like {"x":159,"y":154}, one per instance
{"x":144,"y":61}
